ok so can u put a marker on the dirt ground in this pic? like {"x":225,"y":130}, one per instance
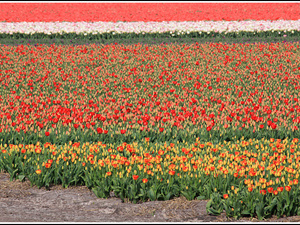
{"x":19,"y":202}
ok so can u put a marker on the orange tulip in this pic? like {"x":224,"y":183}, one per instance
{"x":185,"y":168}
{"x":288,"y":188}
{"x":295,"y":181}
{"x":280,"y":189}
{"x":172,"y":172}
{"x":145,"y":180}
{"x":270,"y":189}
{"x":263,"y":192}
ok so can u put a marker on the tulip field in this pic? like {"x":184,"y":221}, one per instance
{"x":156,"y":120}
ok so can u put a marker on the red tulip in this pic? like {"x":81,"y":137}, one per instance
{"x":280,"y":189}
{"x":99,"y":130}
{"x":288,"y":188}
{"x":172,"y":172}
{"x":273,"y":125}
{"x":263,"y":192}
{"x":270,"y":189}
{"x":145,"y":180}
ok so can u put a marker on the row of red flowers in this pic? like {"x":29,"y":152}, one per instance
{"x":116,"y":88}
{"x":113,"y":12}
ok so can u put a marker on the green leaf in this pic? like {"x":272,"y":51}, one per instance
{"x":298,"y":211}
{"x":246,"y":212}
{"x":21,"y":177}
{"x":273,"y":203}
{"x":214,"y":212}
{"x":152,"y":195}
{"x":208,"y":205}
{"x":158,"y":195}
{"x":142,"y":194}
{"x":168,"y":196}
{"x":201,"y":197}
{"x":98,"y":192}
{"x":260,"y":211}
{"x":186,"y":195}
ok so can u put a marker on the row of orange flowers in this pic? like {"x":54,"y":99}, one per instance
{"x":237,"y":169}
{"x":263,"y":164}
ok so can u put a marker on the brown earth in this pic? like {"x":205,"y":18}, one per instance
{"x":19,"y":202}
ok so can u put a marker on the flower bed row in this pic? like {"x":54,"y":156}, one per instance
{"x":113,"y":12}
{"x":151,"y":29}
{"x":144,"y":40}
{"x":244,"y":178}
{"x":118,"y":93}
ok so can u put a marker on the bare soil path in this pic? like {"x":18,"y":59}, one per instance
{"x":19,"y":202}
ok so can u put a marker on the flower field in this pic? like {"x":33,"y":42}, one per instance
{"x":122,"y":93}
{"x":215,"y":120}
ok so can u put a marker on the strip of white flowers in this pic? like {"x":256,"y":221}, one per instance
{"x":175,"y":28}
